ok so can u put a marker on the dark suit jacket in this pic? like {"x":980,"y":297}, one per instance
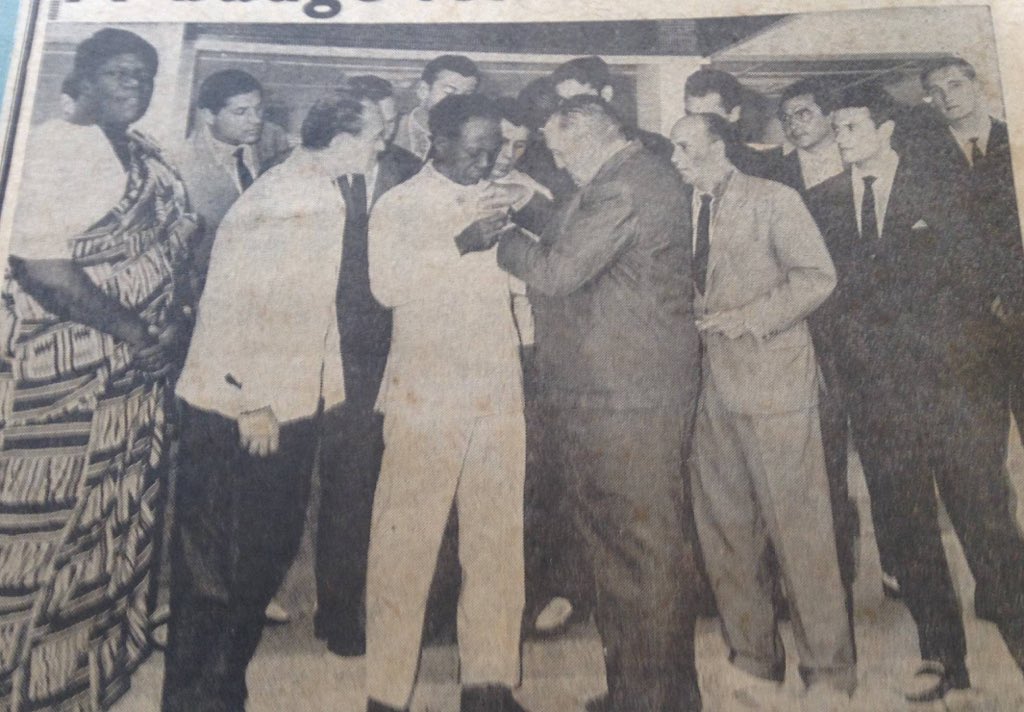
{"x":611,"y":290}
{"x":784,"y":168}
{"x":748,"y":160}
{"x":992,"y":202}
{"x":907,"y":309}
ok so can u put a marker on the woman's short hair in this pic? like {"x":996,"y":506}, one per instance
{"x":110,"y":42}
{"x":342,"y":112}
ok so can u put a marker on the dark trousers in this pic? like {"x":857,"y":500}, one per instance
{"x":555,"y":561}
{"x":626,"y":490}
{"x":834,"y":438}
{"x":916,"y":434}
{"x":238,"y":523}
{"x":351,"y":450}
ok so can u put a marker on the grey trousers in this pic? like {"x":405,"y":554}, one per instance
{"x":760,"y":479}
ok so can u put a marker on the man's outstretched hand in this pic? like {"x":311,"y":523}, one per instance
{"x":481,"y":235}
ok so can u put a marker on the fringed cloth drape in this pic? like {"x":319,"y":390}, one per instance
{"x":81,"y":451}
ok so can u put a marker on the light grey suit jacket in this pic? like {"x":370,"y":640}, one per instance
{"x":769,"y":263}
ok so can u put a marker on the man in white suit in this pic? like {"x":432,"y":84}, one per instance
{"x":454,"y":431}
{"x":760,"y":267}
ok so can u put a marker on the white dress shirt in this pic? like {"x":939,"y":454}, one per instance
{"x":266,"y":328}
{"x":454,"y":344}
{"x":818,"y":166}
{"x":885,"y":174}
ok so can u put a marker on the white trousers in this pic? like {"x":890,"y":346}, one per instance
{"x":430,"y":461}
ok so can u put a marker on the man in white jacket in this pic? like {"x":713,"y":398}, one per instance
{"x":454,"y":432}
{"x":264,"y":361}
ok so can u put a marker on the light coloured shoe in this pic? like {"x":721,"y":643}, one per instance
{"x":749,"y":692}
{"x":970,"y":700}
{"x":554,"y":615}
{"x":276,"y":613}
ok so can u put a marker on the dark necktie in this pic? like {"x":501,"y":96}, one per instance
{"x":355,"y":278}
{"x":244,"y":176}
{"x":868,"y":216}
{"x":976,"y":155}
{"x":702,"y":248}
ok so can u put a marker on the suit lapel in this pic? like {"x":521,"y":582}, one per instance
{"x":737,"y":194}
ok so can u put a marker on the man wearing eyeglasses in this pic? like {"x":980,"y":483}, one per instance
{"x":805,"y":110}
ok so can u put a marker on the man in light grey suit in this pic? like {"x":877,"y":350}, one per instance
{"x":760,"y":267}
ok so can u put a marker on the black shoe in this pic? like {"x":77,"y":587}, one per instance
{"x":350,"y":646}
{"x":488,"y":698}
{"x":597,"y":704}
{"x":373,"y":706}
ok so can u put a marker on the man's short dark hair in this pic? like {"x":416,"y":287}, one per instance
{"x":371,"y":86}
{"x":451,"y":114}
{"x":592,"y":71}
{"x":714,"y":81}
{"x":960,"y":63}
{"x":539,"y":100}
{"x":218,"y":88}
{"x":110,"y":42}
{"x":450,"y":63}
{"x":718,"y":127}
{"x":342,"y":112}
{"x":873,"y":97}
{"x":513,"y":111}
{"x":589,"y":106}
{"x":819,"y":90}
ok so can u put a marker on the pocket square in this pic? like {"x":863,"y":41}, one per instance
{"x":920,"y":225}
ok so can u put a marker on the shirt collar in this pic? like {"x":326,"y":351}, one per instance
{"x":225,"y":152}
{"x":719,"y":189}
{"x":981,"y":133}
{"x":884,"y":172}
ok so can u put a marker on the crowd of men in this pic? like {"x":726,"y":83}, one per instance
{"x":661,"y":345}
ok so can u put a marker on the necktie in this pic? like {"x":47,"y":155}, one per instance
{"x":868,"y":216}
{"x":976,"y":155}
{"x":703,"y":247}
{"x":244,"y":176}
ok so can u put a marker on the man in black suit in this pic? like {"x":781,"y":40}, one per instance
{"x":713,"y":91}
{"x":352,"y":442}
{"x":805,"y":110}
{"x":900,"y":326}
{"x":975,"y":149}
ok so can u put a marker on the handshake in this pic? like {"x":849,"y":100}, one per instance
{"x":495,"y":204}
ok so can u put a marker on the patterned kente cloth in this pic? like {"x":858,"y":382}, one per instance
{"x":81,"y":451}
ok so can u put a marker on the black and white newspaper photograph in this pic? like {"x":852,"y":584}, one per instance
{"x":489,"y":356}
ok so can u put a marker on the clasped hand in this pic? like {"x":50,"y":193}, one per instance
{"x":730,"y":324}
{"x":161,"y":349}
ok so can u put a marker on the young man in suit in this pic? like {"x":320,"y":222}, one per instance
{"x":901,"y":327}
{"x":713,"y":91}
{"x":805,"y":110}
{"x":975,"y":149}
{"x":617,"y":353}
{"x":352,"y":442}
{"x":760,"y":268}
{"x":443,"y":76}
{"x":223,"y":155}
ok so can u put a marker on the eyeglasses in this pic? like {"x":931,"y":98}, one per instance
{"x":800,"y":116}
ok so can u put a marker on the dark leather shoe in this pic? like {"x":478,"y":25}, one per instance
{"x":488,"y":698}
{"x":351,"y":646}
{"x":373,"y":705}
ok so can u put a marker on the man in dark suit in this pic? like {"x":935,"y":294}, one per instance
{"x":901,"y":328}
{"x":713,"y":91}
{"x":617,"y":351}
{"x":590,"y":76}
{"x":353,"y":440}
{"x":805,"y":110}
{"x":974,"y":148}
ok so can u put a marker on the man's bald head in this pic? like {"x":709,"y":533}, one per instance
{"x":699,"y":141}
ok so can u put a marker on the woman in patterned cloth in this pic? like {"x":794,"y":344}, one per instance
{"x":100,"y":229}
